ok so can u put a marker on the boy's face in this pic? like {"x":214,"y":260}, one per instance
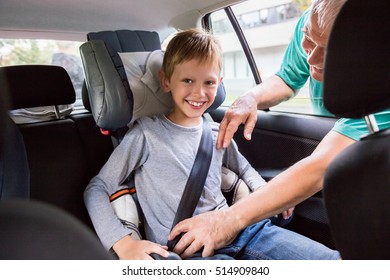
{"x":193,"y":87}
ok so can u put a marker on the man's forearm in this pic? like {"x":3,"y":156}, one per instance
{"x":284,"y":191}
{"x":271,"y":92}
{"x":292,"y":186}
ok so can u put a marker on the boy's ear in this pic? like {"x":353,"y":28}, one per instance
{"x":164,"y":83}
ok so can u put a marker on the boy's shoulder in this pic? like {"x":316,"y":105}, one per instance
{"x":144,"y":123}
{"x":145,"y":120}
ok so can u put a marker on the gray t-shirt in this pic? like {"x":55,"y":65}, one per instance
{"x":162,"y":154}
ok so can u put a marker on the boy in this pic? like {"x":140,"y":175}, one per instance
{"x":161,"y":150}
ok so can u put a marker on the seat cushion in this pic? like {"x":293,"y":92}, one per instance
{"x":142,"y":73}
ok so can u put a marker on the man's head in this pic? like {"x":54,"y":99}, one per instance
{"x":317,"y":30}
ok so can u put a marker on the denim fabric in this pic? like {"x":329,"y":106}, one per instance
{"x":198,"y":256}
{"x":265,"y":241}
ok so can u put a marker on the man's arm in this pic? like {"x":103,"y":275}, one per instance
{"x":214,"y":230}
{"x":244,"y":110}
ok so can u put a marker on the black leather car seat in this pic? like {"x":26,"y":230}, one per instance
{"x":32,"y":230}
{"x":55,"y":152}
{"x":14,"y":170}
{"x":357,"y":85}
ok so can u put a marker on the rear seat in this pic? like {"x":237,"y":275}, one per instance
{"x":64,"y":153}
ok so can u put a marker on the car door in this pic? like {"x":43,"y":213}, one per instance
{"x":253,"y":43}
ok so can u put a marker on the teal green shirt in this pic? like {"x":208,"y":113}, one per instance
{"x":356,"y":128}
{"x":295,"y":72}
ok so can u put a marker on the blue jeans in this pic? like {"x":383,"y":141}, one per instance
{"x":265,"y":241}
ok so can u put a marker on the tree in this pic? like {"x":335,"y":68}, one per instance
{"x":302,"y":5}
{"x":25,"y":52}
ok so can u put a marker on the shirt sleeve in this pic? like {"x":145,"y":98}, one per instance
{"x":294,"y":70}
{"x":357,"y":128}
{"x":130,"y":154}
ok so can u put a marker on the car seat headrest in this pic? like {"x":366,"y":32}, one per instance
{"x":37,"y":85}
{"x":128,"y":40}
{"x":356,"y":77}
{"x":142,"y":73}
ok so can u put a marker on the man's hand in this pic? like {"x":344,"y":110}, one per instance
{"x":130,"y":249}
{"x":210,"y":231}
{"x":242,"y":111}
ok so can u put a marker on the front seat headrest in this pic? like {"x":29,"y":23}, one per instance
{"x":357,"y":76}
{"x":43,"y":85}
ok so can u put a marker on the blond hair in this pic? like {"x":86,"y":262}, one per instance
{"x":191,"y":44}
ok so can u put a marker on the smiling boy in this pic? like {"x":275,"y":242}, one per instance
{"x":161,"y":151}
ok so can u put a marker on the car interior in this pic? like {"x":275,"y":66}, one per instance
{"x":45,"y":164}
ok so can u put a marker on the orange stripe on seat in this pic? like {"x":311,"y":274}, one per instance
{"x":121,"y":192}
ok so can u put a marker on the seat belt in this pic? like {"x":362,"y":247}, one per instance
{"x":195,"y":182}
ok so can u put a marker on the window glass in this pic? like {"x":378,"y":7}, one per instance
{"x":62,"y":53}
{"x":268,"y":26}
{"x":236,"y":73}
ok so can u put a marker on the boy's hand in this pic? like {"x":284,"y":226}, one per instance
{"x":286,"y":214}
{"x":130,"y":249}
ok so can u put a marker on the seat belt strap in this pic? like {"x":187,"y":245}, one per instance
{"x":196,"y":180}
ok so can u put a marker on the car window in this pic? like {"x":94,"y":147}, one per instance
{"x":268,"y":27}
{"x":31,"y":51}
